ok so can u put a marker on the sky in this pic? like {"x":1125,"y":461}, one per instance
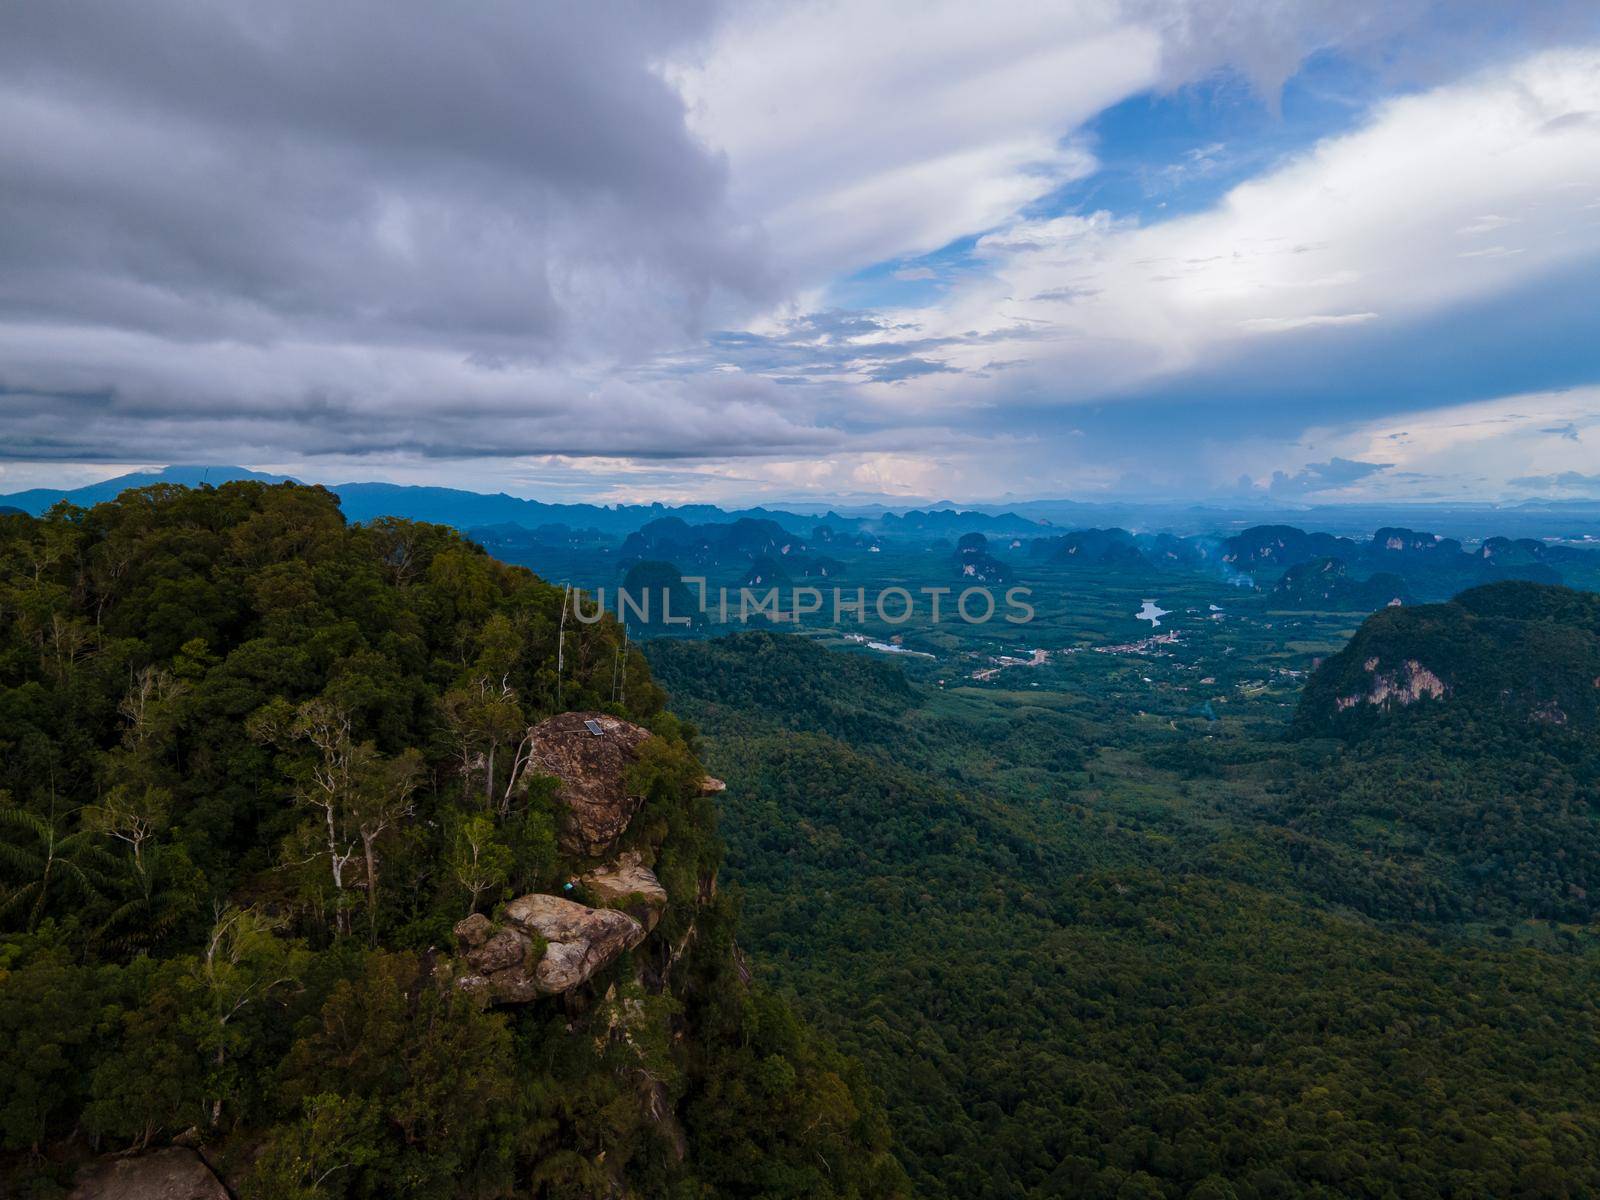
{"x":875,"y":250}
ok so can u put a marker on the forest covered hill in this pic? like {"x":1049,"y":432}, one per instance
{"x":256,"y":767}
{"x":1093,"y":955}
{"x":1470,"y":761}
{"x":1504,"y":654}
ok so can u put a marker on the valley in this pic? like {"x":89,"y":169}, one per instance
{"x":1104,"y":924}
{"x":1100,"y":906}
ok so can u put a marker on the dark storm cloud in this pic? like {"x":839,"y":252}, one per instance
{"x":530,"y":414}
{"x":267,"y":214}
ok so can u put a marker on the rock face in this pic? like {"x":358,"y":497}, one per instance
{"x":504,"y":965}
{"x":170,"y":1174}
{"x":593,"y":793}
{"x":627,"y":884}
{"x":1412,"y":682}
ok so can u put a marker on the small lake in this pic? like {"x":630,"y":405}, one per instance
{"x":1153,"y":613}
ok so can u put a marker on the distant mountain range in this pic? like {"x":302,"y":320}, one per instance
{"x":1314,"y":569}
{"x":37,"y":500}
{"x":443,"y":506}
{"x":470,"y":510}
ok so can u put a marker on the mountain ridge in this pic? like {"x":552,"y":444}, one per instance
{"x":464,"y":509}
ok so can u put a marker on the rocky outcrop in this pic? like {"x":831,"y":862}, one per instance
{"x":174,"y":1173}
{"x":1549,"y":713}
{"x":1412,"y":682}
{"x":545,"y":946}
{"x":627,"y":884}
{"x":592,"y":772}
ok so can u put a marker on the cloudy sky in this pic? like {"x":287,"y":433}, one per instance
{"x":1310,"y":251}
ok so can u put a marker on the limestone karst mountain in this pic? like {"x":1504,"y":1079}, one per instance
{"x":1522,"y":654}
{"x":297,"y":720}
{"x":1326,"y":583}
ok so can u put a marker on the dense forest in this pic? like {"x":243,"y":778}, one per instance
{"x":1470,"y":766}
{"x":256,"y":765}
{"x":1091,"y":956}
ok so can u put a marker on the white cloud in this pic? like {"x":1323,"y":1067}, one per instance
{"x":1486,"y":224}
{"x":1362,"y":224}
{"x":863,"y":130}
{"x":867,"y":130}
{"x":1491,"y":252}
{"x":1473,"y":451}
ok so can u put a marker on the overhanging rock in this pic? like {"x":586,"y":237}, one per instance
{"x":503,"y":963}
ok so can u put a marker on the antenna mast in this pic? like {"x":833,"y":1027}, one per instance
{"x":561,"y":641}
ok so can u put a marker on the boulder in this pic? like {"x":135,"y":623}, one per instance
{"x":629,"y":885}
{"x":173,"y":1173}
{"x":710,"y":785}
{"x":591,"y":769}
{"x":503,"y":963}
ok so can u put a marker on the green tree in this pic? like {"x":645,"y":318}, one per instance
{"x":357,"y":794}
{"x":155,"y":1080}
{"x":47,"y":1031}
{"x":51,"y":864}
{"x":244,"y":963}
{"x":316,"y":1156}
{"x":479,"y":861}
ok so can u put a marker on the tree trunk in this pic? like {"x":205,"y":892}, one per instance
{"x":341,"y":919}
{"x":372,"y":886}
{"x":216,"y":1105}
